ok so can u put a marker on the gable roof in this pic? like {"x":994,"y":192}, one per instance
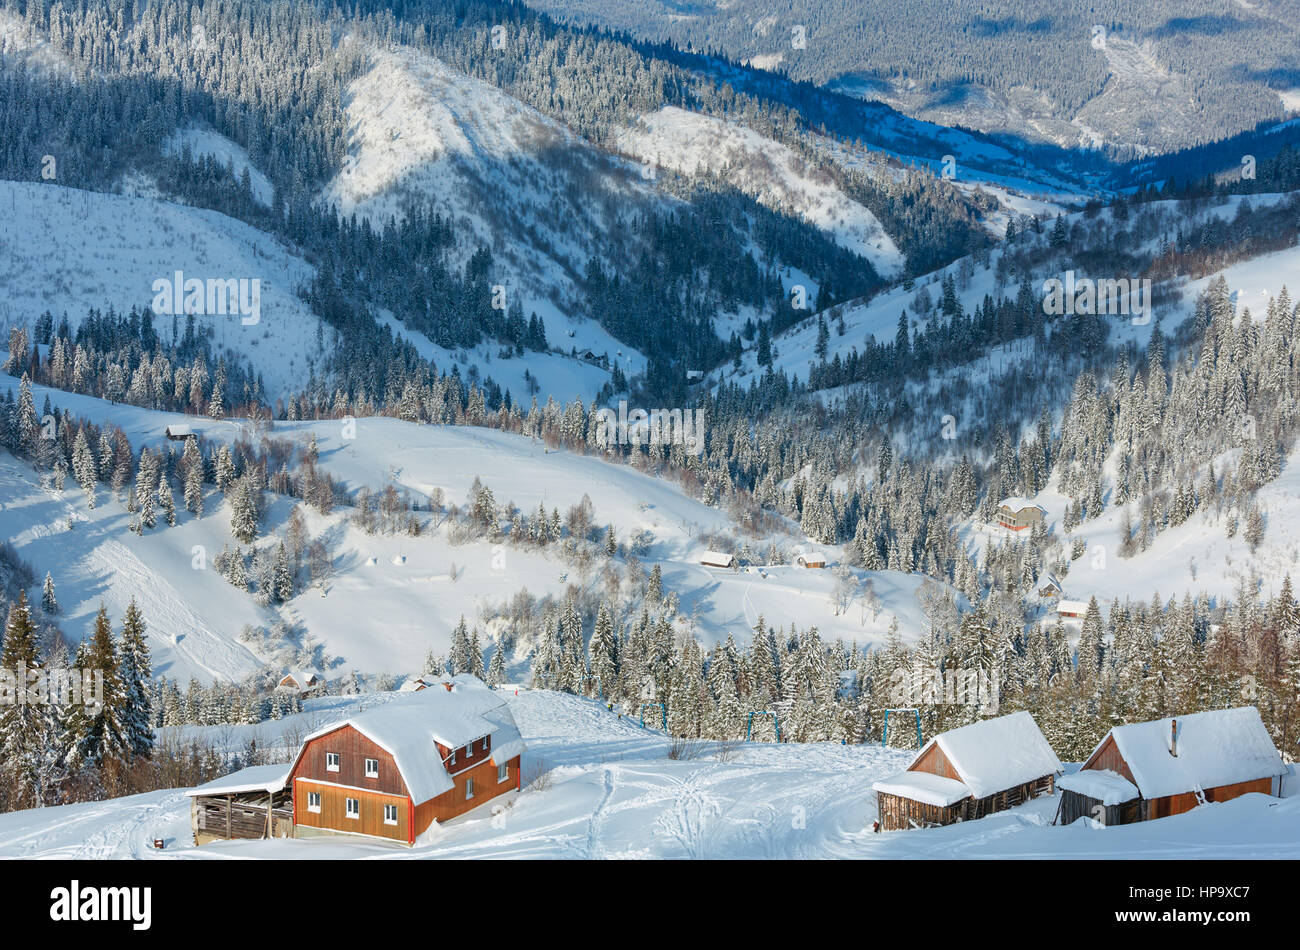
{"x":407,"y":727}
{"x":1217,"y":747}
{"x":1018,"y":504}
{"x":996,"y":754}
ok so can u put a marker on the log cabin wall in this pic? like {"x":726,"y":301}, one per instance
{"x":333,"y":814}
{"x":452,"y":803}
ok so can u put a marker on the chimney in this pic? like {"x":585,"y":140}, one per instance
{"x":1173,"y":737}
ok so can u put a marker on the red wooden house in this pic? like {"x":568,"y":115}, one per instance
{"x":1168,"y":766}
{"x":394,"y":769}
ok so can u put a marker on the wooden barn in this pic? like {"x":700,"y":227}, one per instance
{"x":251,"y":803}
{"x":811,"y":559}
{"x":968,"y":773}
{"x":1017,"y":514}
{"x":181,"y":432}
{"x":1166,"y":767}
{"x":391,"y":771}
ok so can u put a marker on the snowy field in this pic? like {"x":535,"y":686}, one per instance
{"x":614,"y":793}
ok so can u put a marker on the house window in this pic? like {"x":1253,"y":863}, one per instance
{"x":372,"y":768}
{"x":469,"y":750}
{"x":451,"y":760}
{"x":503,"y":772}
{"x":390,"y":814}
{"x":354,"y":808}
{"x":313,"y":801}
{"x":469,"y":788}
{"x":331,"y":761}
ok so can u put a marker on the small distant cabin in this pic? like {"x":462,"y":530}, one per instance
{"x":1166,"y":767}
{"x":1050,"y":587}
{"x":250,"y":803}
{"x":1017,"y":514}
{"x":692,"y":375}
{"x":179,"y":433}
{"x":718,"y":559}
{"x":1071,"y":609}
{"x":968,"y":773}
{"x":810,"y":560}
{"x":300,"y":681}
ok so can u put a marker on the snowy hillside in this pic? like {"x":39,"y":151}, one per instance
{"x":420,"y":132}
{"x":67,"y":251}
{"x":425,"y":584}
{"x":768,"y":171}
{"x":613,"y":792}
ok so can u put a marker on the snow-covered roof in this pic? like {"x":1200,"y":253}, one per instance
{"x":1016,"y":503}
{"x":408,"y":727}
{"x":1071,"y":607}
{"x":924,"y":787}
{"x":997,"y":754}
{"x":176,"y":429}
{"x":1109,"y":788}
{"x":1218,"y":747}
{"x":717,"y":558}
{"x":258,"y":778}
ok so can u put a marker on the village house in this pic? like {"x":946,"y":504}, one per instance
{"x":300,"y":681}
{"x":718,"y":559}
{"x":1071,"y":609}
{"x":811,"y":559}
{"x":389,"y":772}
{"x":1017,"y":514}
{"x":968,"y":773}
{"x":181,"y":432}
{"x":1165,"y":767}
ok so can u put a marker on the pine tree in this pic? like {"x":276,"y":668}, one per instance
{"x":106,"y":735}
{"x":26,"y":728}
{"x":49,"y":603}
{"x":135,"y":673}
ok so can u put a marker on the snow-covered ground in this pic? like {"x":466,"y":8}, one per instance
{"x":615,"y":793}
{"x":67,"y":251}
{"x":767,"y":171}
{"x":425,"y":584}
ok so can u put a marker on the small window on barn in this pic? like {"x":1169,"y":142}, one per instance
{"x":313,"y":801}
{"x":331,"y":761}
{"x":354,"y":808}
{"x":390,"y":814}
{"x":451,"y":759}
{"x":469,"y":750}
{"x":503,"y":772}
{"x":469,"y":788}
{"x":372,"y":768}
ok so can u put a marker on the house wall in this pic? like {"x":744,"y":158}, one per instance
{"x":333,"y":813}
{"x":1108,"y":757}
{"x":453,"y":802}
{"x":353,"y":748}
{"x":936,"y":763}
{"x":482,"y":750}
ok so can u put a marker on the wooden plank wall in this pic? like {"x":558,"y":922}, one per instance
{"x":353,"y":749}
{"x":452,"y":803}
{"x":333,"y":813}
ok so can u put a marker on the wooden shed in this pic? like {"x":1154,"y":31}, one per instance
{"x":1166,"y":767}
{"x":181,"y":432}
{"x":968,"y":773}
{"x":251,"y":803}
{"x":810,"y":559}
{"x":718,"y":559}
